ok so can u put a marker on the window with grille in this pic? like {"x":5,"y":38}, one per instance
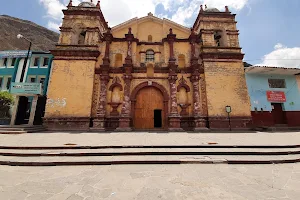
{"x":5,"y":62}
{"x":36,"y":62}
{"x":42,"y":81}
{"x":277,"y":83}
{"x":45,"y":62}
{"x":31,"y":79}
{"x":13,"y":62}
{"x":149,"y":56}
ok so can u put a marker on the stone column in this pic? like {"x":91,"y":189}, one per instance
{"x":15,"y":111}
{"x":32,"y":110}
{"x":125,"y":119}
{"x":200,"y":121}
{"x":99,"y":122}
{"x":174,"y":117}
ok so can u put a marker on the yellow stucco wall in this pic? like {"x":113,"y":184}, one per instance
{"x":141,"y":29}
{"x":226,"y":85}
{"x":70,"y":89}
{"x":158,"y":28}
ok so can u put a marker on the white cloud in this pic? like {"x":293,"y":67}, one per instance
{"x":118,"y":11}
{"x":282,"y":56}
{"x":53,"y":26}
{"x":54,"y":8}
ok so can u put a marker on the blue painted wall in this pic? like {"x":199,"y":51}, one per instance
{"x":32,"y":70}
{"x":258,"y":86}
{"x":36,"y":71}
{"x":6,"y":71}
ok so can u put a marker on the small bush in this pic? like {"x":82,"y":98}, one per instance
{"x":6,"y":101}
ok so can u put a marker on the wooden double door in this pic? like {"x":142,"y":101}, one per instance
{"x":149,"y":109}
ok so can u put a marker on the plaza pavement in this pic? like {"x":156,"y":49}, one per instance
{"x":151,"y":182}
{"x":146,"y":138}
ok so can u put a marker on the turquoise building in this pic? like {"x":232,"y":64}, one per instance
{"x":38,"y":70}
{"x":275,"y":95}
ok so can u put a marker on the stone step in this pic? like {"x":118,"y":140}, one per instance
{"x":22,"y":128}
{"x":74,"y":147}
{"x":174,"y":159}
{"x":12,"y":132}
{"x":146,"y":151}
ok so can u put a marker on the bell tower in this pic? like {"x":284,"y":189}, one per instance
{"x":222,"y":79}
{"x":75,"y":56}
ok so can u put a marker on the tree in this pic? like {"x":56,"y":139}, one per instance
{"x":6,"y":101}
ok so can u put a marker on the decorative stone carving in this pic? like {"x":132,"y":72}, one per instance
{"x":183,"y":84}
{"x":184,"y":108}
{"x":116,"y":83}
{"x":115,"y":111}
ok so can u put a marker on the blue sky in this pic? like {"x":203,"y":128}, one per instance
{"x":269,"y":29}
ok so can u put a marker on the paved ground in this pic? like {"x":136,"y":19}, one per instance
{"x":140,"y":138}
{"x":147,"y":182}
{"x":143,"y":182}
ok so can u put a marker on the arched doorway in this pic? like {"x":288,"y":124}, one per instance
{"x":149,"y":106}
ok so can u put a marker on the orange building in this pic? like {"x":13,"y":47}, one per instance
{"x":147,"y":73}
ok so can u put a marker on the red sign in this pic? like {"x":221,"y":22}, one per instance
{"x":276,"y":96}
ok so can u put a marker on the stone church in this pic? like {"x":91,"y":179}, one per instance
{"x":147,"y":73}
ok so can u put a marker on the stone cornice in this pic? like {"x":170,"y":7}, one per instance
{"x":84,"y":51}
{"x":217,"y":56}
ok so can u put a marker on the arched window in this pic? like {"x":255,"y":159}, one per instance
{"x":81,"y":38}
{"x":218,"y":37}
{"x":181,"y":61}
{"x":150,"y":56}
{"x":118,"y":60}
{"x":149,"y":38}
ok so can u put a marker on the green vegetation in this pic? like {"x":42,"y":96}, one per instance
{"x":6,"y":101}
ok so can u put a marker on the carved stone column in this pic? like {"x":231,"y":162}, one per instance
{"x":197,"y":69}
{"x":174,"y":117}
{"x":125,"y":119}
{"x":200,"y":122}
{"x":99,"y":122}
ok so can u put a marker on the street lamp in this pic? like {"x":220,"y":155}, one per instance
{"x":228,"y":110}
{"x":19,"y":36}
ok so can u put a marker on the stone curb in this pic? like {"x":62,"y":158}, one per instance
{"x":151,"y":147}
{"x":174,"y":162}
{"x":105,"y":154}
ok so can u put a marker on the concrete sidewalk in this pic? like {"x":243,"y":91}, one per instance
{"x":144,"y":138}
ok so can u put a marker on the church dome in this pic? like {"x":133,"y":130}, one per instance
{"x":212,"y":10}
{"x":86,"y":4}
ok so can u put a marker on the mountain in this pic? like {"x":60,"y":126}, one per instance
{"x":42,"y":38}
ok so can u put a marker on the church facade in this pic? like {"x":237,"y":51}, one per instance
{"x":147,"y":73}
